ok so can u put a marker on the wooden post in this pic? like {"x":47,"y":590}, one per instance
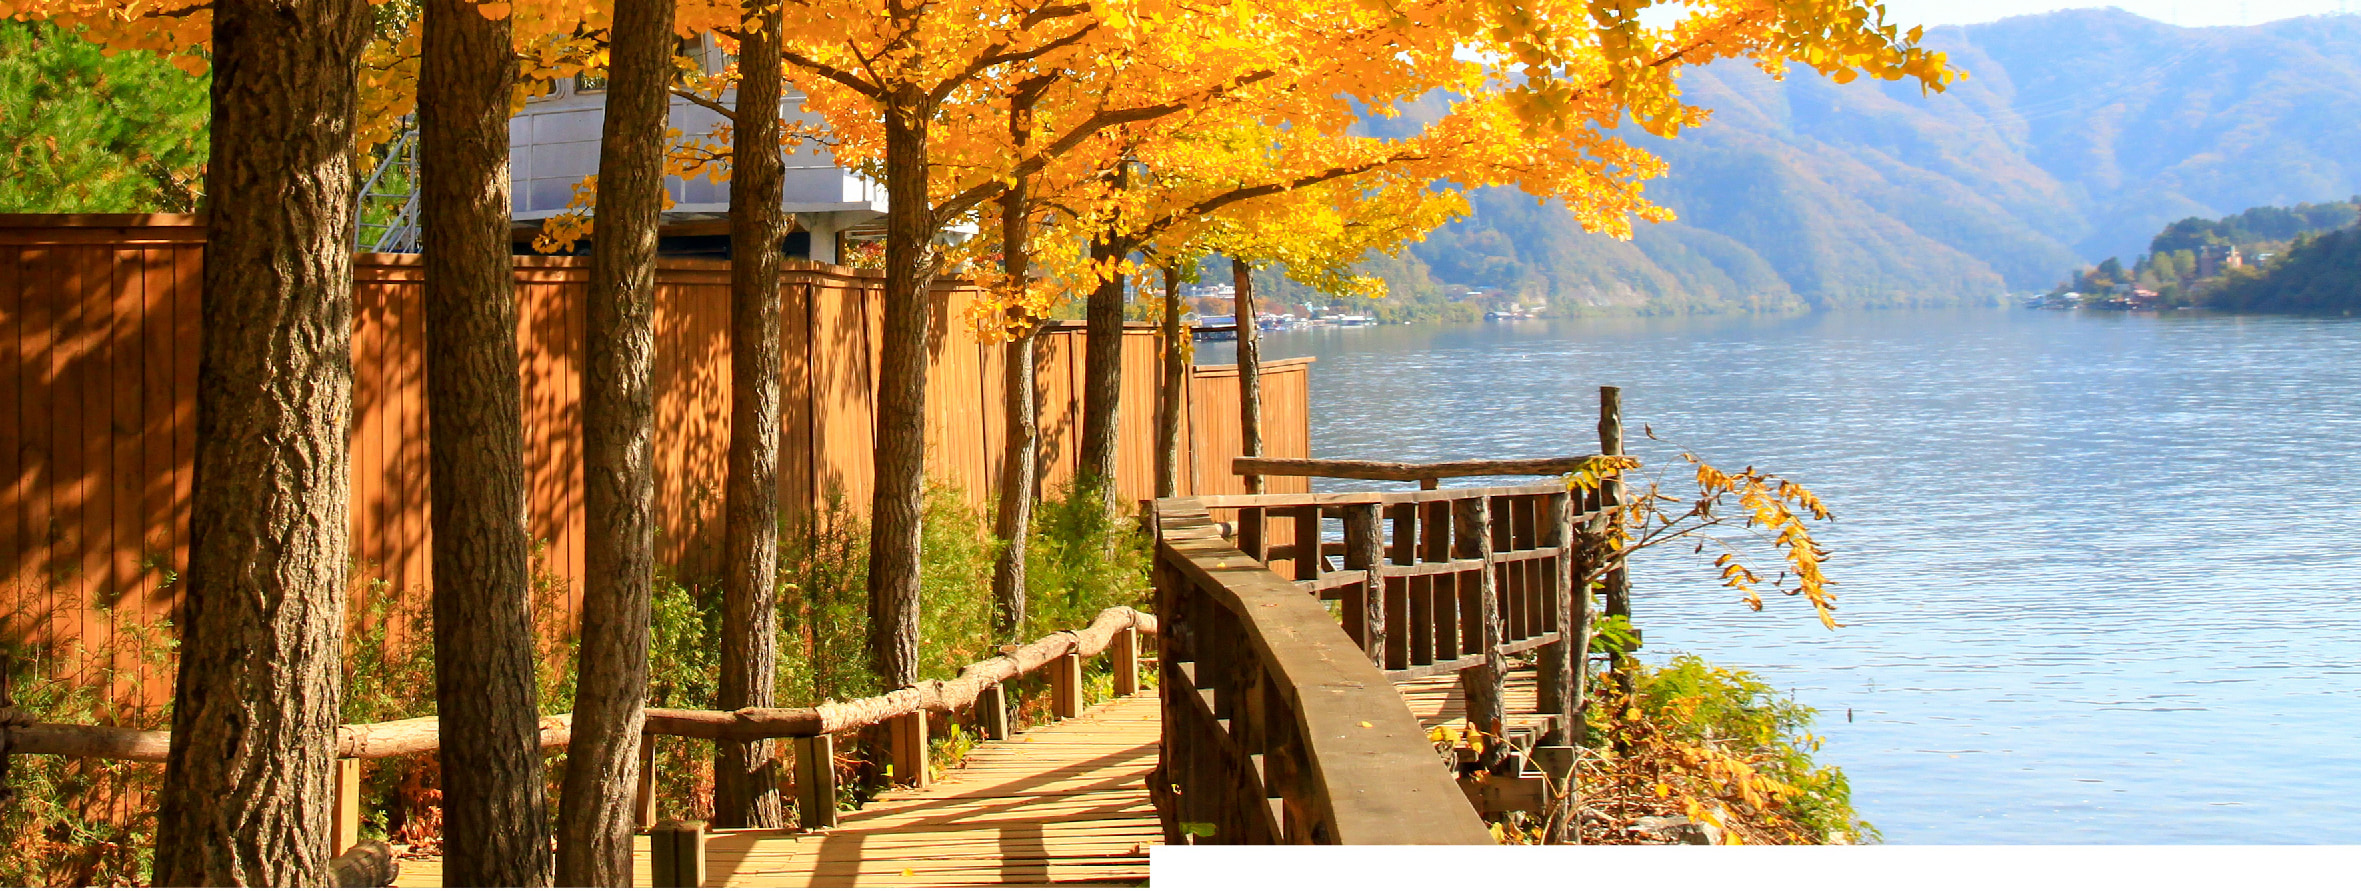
{"x":1485,"y":684}
{"x":676,"y":854}
{"x":1557,"y":682}
{"x":909,"y":748}
{"x":347,"y":822}
{"x":1065,"y":686}
{"x":1557,"y":771}
{"x":992,"y":712}
{"x":815,"y":781}
{"x":1364,"y":549}
{"x":644,"y":803}
{"x":1126,"y":654}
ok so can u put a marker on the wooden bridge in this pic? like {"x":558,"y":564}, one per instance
{"x":1306,"y":648}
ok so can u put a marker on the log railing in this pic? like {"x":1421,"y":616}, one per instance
{"x":1277,"y":728}
{"x":978,"y":686}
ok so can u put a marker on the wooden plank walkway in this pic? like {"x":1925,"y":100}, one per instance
{"x":1438,"y":700}
{"x":1062,"y":803}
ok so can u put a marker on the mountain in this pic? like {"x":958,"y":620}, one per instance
{"x":2077,"y":136}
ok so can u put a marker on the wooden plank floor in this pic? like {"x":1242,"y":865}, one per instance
{"x":1438,"y":700}
{"x":1062,"y":803}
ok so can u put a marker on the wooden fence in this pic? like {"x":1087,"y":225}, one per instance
{"x":98,"y":364}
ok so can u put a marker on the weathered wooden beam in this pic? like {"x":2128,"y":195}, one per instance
{"x":1126,"y":656}
{"x":643,"y":802}
{"x":368,"y":864}
{"x":345,"y":821}
{"x":815,"y":782}
{"x":1364,"y":541}
{"x":908,"y":735}
{"x":1483,"y":684}
{"x":1065,"y":687}
{"x":676,"y":854}
{"x":1556,"y":684}
{"x":418,"y":736}
{"x":1401,"y":471}
{"x":992,"y":712}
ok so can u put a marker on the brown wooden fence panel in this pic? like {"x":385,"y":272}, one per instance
{"x":99,"y":326}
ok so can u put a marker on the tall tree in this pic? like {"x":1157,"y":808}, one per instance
{"x":1172,"y":386}
{"x":495,"y":811}
{"x":1102,"y":359}
{"x":1012,"y":517}
{"x":247,"y":782}
{"x":745,"y":779}
{"x":1249,"y":367}
{"x":618,"y":411}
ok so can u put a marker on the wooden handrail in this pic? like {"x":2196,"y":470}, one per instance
{"x":418,"y":736}
{"x":1277,"y":728}
{"x":1404,"y":472}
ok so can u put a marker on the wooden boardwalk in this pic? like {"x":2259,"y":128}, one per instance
{"x":1061,"y":803}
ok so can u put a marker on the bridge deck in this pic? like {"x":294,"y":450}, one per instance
{"x":1061,"y":803}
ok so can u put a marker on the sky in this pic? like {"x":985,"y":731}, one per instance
{"x":2187,"y":13}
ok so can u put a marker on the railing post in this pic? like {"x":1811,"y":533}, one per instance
{"x":346,"y":826}
{"x":908,"y":736}
{"x":1127,"y":662}
{"x":815,"y":781}
{"x":1065,"y":686}
{"x":992,"y":712}
{"x":1484,"y":684}
{"x":1558,"y":682}
{"x":676,"y":854}
{"x":1364,"y":549}
{"x":643,"y":803}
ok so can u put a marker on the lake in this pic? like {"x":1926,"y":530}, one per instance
{"x":2097,"y":571}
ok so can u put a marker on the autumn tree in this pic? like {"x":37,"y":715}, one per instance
{"x":746,"y":785}
{"x":494,"y":808}
{"x":595,"y":820}
{"x":255,"y":703}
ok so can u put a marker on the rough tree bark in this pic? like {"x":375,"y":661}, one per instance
{"x":745,"y":775}
{"x":247,"y":781}
{"x":495,"y":812}
{"x":602,"y":764}
{"x":1102,"y":372}
{"x":1170,"y":389}
{"x":1249,"y":369}
{"x":896,"y":506}
{"x":1012,"y":520}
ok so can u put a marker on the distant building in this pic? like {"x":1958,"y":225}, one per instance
{"x":553,"y":143}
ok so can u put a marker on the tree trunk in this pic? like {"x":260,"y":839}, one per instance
{"x":602,"y":763}
{"x":1012,"y":520}
{"x":745,"y":775}
{"x":1102,"y":374}
{"x":1171,"y":390}
{"x":495,"y":812}
{"x":901,"y":397}
{"x":247,"y":781}
{"x":1249,"y":370}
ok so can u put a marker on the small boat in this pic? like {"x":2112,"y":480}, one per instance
{"x":1216,"y":328}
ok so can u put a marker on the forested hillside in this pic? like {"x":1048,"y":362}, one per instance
{"x":2077,"y":136}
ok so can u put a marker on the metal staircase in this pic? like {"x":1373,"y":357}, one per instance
{"x":385,"y":210}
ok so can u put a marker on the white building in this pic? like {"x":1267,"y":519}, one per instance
{"x":553,"y":144}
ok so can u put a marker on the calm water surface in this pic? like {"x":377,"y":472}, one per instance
{"x":2098,"y":572}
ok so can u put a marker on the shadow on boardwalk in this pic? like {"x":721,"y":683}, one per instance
{"x":1062,"y":803}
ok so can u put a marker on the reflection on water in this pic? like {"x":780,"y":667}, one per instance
{"x":2097,"y":572}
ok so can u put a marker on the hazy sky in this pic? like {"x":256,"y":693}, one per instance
{"x":2191,"y":13}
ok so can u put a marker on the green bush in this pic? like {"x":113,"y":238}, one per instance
{"x":1083,"y":558}
{"x":1705,"y":706}
{"x":79,"y":822}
